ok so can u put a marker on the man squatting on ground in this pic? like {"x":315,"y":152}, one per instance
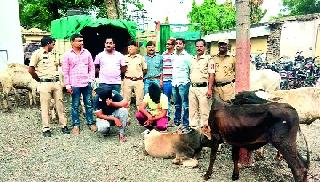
{"x":153,"y":109}
{"x":111,"y":109}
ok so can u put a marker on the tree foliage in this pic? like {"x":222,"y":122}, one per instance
{"x":215,"y":17}
{"x":256,"y":13}
{"x":302,"y":7}
{"x":40,"y":13}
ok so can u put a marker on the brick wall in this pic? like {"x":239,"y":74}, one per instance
{"x":273,"y":42}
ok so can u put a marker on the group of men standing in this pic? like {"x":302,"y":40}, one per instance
{"x":154,"y":78}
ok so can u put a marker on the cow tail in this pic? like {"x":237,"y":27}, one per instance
{"x":307,"y":163}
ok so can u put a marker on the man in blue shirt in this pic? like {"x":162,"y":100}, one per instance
{"x":181,"y":84}
{"x":154,"y":67}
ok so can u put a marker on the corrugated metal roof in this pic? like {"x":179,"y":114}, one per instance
{"x":231,"y":34}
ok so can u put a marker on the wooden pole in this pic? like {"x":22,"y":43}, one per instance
{"x":243,"y":59}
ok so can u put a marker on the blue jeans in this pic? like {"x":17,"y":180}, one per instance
{"x":167,"y":90}
{"x":87,"y":99}
{"x":181,"y":103}
{"x":116,"y":87}
{"x":147,"y":83}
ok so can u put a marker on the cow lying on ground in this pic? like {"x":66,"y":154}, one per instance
{"x":252,"y":126}
{"x":181,"y":147}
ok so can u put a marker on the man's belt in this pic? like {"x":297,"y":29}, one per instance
{"x":154,"y":78}
{"x":49,"y":79}
{"x":221,"y":84}
{"x":133,"y":78}
{"x":203,"y":84}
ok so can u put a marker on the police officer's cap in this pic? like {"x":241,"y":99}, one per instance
{"x":226,"y":41}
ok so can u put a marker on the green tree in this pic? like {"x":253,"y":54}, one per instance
{"x":256,"y":12}
{"x":302,"y":7}
{"x":40,"y":13}
{"x":215,"y":17}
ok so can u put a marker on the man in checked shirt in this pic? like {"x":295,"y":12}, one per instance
{"x":78,"y":70}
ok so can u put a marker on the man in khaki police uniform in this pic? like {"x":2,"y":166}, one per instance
{"x":43,"y":69}
{"x":225,"y":72}
{"x":133,"y":77}
{"x":202,"y":77}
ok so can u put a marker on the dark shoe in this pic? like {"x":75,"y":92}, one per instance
{"x":65,"y":130}
{"x":177,"y":123}
{"x":122,"y":138}
{"x":106,"y":132}
{"x":47,"y":133}
{"x":186,"y":130}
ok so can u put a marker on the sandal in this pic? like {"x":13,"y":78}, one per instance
{"x":122,"y":138}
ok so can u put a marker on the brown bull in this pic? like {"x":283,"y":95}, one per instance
{"x":252,"y":126}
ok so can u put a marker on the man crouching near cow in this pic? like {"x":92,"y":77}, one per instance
{"x":152,"y":113}
{"x":111,"y":109}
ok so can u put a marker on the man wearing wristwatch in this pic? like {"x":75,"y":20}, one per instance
{"x":78,"y":70}
{"x":43,"y":69}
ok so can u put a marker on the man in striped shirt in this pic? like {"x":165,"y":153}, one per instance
{"x":165,"y":83}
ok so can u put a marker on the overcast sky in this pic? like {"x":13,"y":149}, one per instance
{"x":177,"y":10}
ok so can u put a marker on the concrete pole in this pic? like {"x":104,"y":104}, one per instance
{"x":243,"y":59}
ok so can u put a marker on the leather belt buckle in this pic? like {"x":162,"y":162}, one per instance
{"x":49,"y":79}
{"x":203,"y":84}
{"x":134,"y":78}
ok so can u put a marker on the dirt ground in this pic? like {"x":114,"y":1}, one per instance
{"x":27,"y":156}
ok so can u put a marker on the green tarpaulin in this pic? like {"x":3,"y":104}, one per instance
{"x":189,"y":32}
{"x":63,"y":28}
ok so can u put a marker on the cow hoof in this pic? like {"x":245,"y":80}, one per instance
{"x":176,"y":161}
{"x":235,"y":177}
{"x":206,"y":176}
{"x":191,"y":163}
{"x":145,"y":153}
